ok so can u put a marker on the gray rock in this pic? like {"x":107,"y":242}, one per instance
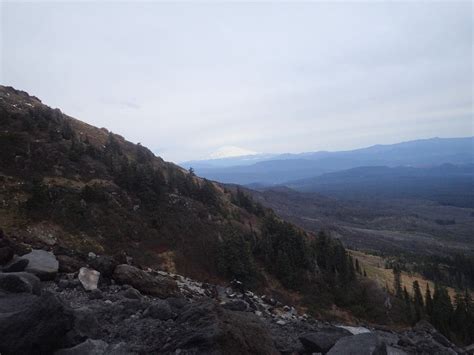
{"x":160,"y":310}
{"x":42,"y":263}
{"x":324,"y":340}
{"x":360,"y":344}
{"x":89,"y":278}
{"x":18,"y":282}
{"x":37,"y":325}
{"x":17,"y":264}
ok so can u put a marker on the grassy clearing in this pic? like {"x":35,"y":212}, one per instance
{"x":374,"y":266}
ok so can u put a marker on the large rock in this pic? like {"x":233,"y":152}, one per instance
{"x":104,"y":264}
{"x":36,"y":325}
{"x":209,"y":329}
{"x":68,"y":264}
{"x":89,"y":278}
{"x":360,"y":344}
{"x":42,"y":263}
{"x":321,"y":342}
{"x":17,"y":264}
{"x":18,"y":282}
{"x":145,"y":283}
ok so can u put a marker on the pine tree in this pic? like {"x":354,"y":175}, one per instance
{"x":407,"y":305}
{"x":357,"y":266}
{"x":417,"y":301}
{"x":397,"y":283}
{"x":428,"y":301}
{"x":442,"y":309}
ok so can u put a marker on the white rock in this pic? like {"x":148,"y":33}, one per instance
{"x":89,"y":278}
{"x":281,"y":322}
{"x":354,"y":330}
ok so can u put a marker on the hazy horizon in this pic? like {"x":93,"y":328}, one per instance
{"x":198,"y":80}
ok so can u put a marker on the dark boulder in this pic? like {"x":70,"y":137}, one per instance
{"x":145,"y":283}
{"x":37,"y":325}
{"x":6,"y":254}
{"x":17,"y":264}
{"x":208,"y":328}
{"x":68,"y":264}
{"x":360,"y":344}
{"x":104,"y":264}
{"x":18,"y":282}
{"x":323,"y":340}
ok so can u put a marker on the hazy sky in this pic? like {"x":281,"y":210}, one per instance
{"x":186,"y":79}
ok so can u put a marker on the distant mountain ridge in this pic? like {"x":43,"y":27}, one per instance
{"x":273,"y":169}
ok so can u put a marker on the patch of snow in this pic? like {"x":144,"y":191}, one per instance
{"x":231,"y":151}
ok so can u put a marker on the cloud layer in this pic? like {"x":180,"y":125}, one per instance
{"x":186,"y":79}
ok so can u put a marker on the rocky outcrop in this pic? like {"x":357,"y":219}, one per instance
{"x":35,"y":325}
{"x":42,"y":263}
{"x":144,"y":282}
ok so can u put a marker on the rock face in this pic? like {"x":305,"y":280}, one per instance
{"x":89,"y":278}
{"x":18,"y":282}
{"x":37,"y":325}
{"x":360,"y":344}
{"x":42,"y":263}
{"x":321,"y":342}
{"x":144,"y":282}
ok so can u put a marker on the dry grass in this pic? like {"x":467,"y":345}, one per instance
{"x":374,"y":266}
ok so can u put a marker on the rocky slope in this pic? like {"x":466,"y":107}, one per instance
{"x":103,"y":307}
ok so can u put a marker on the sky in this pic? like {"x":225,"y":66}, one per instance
{"x":193,"y":80}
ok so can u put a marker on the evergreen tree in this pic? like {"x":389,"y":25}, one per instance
{"x":417,"y":301}
{"x":357,"y":266}
{"x":397,"y":282}
{"x":442,"y":310}
{"x":428,"y":301}
{"x":407,"y":305}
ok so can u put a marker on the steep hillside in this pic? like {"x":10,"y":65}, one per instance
{"x":78,"y":189}
{"x":91,"y":190}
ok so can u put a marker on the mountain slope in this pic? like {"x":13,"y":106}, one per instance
{"x":75,"y":188}
{"x":276,"y":169}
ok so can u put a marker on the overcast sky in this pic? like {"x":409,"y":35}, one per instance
{"x":187,"y":79}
